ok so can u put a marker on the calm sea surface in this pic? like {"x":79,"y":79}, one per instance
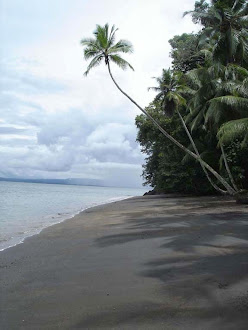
{"x":27,"y":208}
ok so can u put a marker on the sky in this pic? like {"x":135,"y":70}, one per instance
{"x":56,"y":123}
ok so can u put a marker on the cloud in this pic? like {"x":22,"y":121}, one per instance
{"x":55,"y":123}
{"x":11,"y":130}
{"x":73,"y":143}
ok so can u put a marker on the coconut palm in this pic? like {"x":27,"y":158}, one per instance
{"x":225,"y":27}
{"x":102,"y":48}
{"x":170,"y":89}
{"x":220,"y":97}
{"x":229,"y":132}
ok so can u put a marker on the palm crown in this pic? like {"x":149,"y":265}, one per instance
{"x":103,"y":47}
{"x":168,"y":89}
{"x":225,"y":22}
{"x":220,"y":95}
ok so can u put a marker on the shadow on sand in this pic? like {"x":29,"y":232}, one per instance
{"x":203,"y":270}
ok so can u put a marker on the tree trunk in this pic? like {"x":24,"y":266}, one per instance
{"x":197,"y":152}
{"x":230,"y":190}
{"x":228,"y":168}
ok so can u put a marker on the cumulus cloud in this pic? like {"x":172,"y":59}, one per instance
{"x":54,"y":123}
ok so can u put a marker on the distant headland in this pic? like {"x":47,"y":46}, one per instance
{"x":69,"y":181}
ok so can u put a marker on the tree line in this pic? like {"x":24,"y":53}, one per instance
{"x":202,"y":101}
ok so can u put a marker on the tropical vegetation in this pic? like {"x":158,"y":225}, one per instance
{"x":201,"y":103}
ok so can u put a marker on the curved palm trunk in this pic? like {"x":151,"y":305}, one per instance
{"x":197,"y":152}
{"x":230,"y":190}
{"x":228,"y":168}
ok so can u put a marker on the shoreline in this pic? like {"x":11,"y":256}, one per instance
{"x":63,"y":219}
{"x":141,"y":263}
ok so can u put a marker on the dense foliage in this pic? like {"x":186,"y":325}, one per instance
{"x":207,"y":88}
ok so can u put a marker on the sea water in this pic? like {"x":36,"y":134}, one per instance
{"x":27,"y":208}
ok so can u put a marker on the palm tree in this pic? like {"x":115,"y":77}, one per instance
{"x":220,"y":97}
{"x":169,"y":88}
{"x":169,"y":95}
{"x":225,"y":27}
{"x":229,"y":132}
{"x":103,"y":48}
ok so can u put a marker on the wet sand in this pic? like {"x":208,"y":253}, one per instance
{"x":143,"y":263}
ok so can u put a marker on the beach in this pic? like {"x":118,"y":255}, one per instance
{"x":152,"y":262}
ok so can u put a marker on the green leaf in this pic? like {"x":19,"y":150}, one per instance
{"x":120,"y":62}
{"x":235,"y":129}
{"x":103,"y":46}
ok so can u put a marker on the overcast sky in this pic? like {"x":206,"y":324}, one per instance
{"x":54,"y":122}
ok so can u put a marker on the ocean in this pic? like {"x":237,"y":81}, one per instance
{"x":27,"y":208}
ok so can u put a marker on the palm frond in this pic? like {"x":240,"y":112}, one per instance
{"x":95,"y":62}
{"x":235,"y":129}
{"x":198,"y":121}
{"x":120,"y":62}
{"x":101,"y":34}
{"x":88,"y":41}
{"x":234,"y":71}
{"x":90,"y":52}
{"x":185,"y":90}
{"x":214,"y":115}
{"x":240,"y":104}
{"x":111,"y":37}
{"x":194,"y":77}
{"x":240,"y":6}
{"x":122,"y":46}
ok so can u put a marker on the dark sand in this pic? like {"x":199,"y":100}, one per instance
{"x":143,"y":263}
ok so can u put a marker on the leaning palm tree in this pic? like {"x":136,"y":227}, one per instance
{"x":103,"y":48}
{"x":170,"y":89}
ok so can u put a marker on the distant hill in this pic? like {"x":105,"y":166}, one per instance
{"x":70,"y":181}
